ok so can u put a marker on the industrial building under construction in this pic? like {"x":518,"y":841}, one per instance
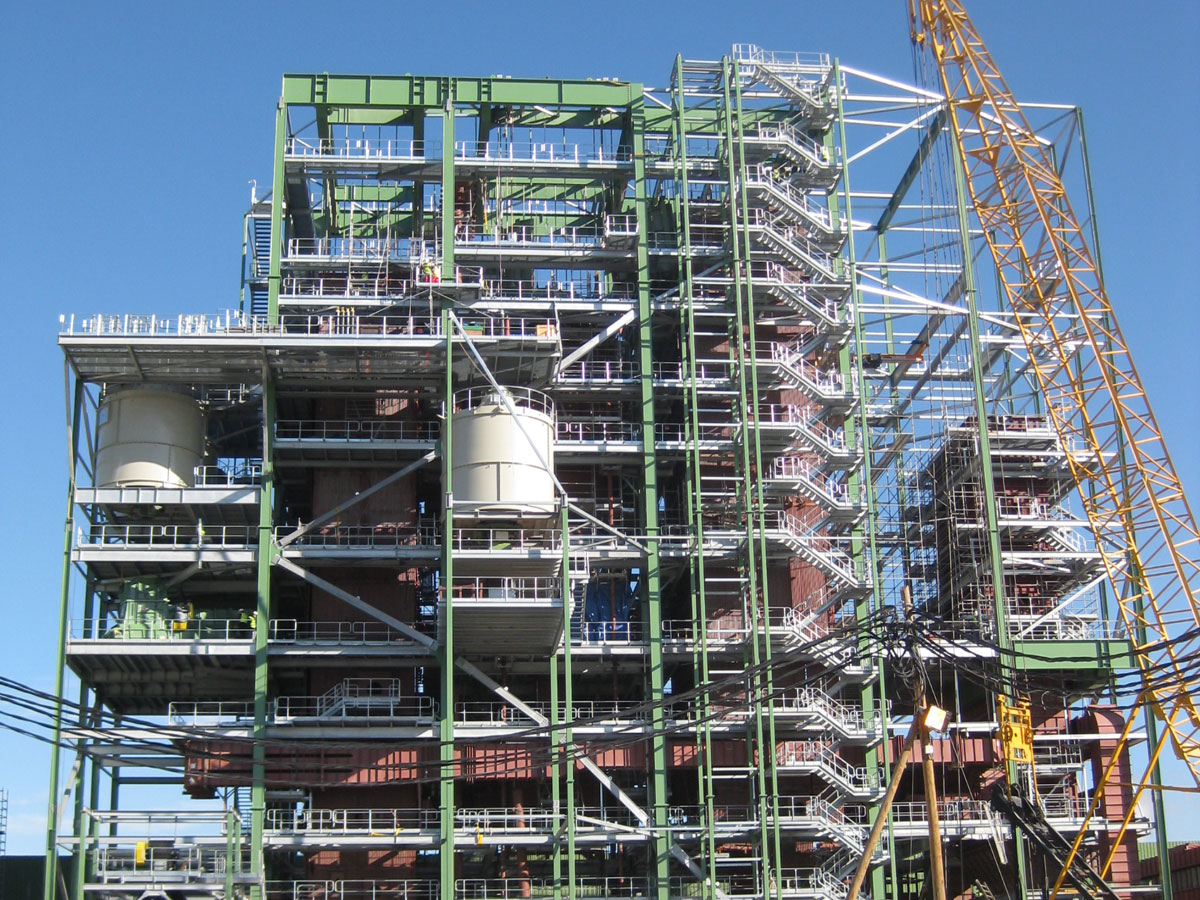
{"x":596,"y":491}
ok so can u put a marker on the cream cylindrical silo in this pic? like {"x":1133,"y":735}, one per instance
{"x":148,"y":438}
{"x":497,"y":474}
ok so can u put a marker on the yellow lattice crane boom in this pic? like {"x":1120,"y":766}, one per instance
{"x":1142,"y":523}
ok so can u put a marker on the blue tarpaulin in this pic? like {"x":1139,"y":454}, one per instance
{"x":606,"y":608}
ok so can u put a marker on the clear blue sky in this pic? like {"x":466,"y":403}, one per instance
{"x":134,"y":127}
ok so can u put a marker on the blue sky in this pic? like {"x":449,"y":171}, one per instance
{"x":133,"y":129}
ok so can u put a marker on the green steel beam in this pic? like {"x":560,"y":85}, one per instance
{"x":448,"y":204}
{"x":567,"y":740}
{"x":1162,"y":844}
{"x":991,"y":513}
{"x":858,"y":434}
{"x":50,"y":880}
{"x":556,"y":757}
{"x":697,"y":569}
{"x":651,"y":577}
{"x":736,"y":348}
{"x":708,"y":120}
{"x":884,"y":761}
{"x":911,"y":172}
{"x":756,"y":512}
{"x":278,"y":198}
{"x":445,"y":652}
{"x":430,"y":92}
{"x":262,"y":619}
{"x":1074,"y":658}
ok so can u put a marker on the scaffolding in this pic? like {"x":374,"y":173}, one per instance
{"x":755,"y":406}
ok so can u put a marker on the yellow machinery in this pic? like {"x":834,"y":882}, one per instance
{"x":1136,"y":507}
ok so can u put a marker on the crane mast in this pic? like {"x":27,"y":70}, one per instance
{"x":1136,"y":507}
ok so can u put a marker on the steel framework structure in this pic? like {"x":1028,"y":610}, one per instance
{"x":781,"y":402}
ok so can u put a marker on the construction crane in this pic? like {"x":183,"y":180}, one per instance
{"x":1137,"y":511}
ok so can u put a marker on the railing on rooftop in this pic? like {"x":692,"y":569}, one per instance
{"x":355,"y":148}
{"x":752,"y":53}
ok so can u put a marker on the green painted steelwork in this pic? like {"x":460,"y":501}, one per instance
{"x":861,"y":483}
{"x":652,"y":577}
{"x":278,"y":193}
{"x":746,"y":426}
{"x":986,"y":472}
{"x":263,"y":606}
{"x":695,"y":498}
{"x":566,"y":741}
{"x":405,"y":91}
{"x":682,"y":170}
{"x":50,"y":883}
{"x":445,"y":650}
{"x":448,"y":201}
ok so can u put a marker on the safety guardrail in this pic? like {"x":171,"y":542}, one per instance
{"x":521,"y":398}
{"x":541,"y":151}
{"x":166,"y":537}
{"x":342,"y":430}
{"x":294,"y":631}
{"x":228,"y":473}
{"x":196,"y":628}
{"x":355,"y":148}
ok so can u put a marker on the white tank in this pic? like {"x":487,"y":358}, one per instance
{"x":497,"y":474}
{"x":148,"y":438}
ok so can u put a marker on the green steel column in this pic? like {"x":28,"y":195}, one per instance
{"x":87,"y":767}
{"x":567,"y":739}
{"x":114,"y":787}
{"x":858,"y":435}
{"x":51,"y":869}
{"x":556,"y":752}
{"x":884,"y":766}
{"x":757,"y":514}
{"x":83,"y":832}
{"x":448,"y":191}
{"x":445,"y":653}
{"x":999,"y":600}
{"x":1162,"y":844}
{"x":262,"y":624}
{"x":695,"y":494}
{"x":94,"y":803}
{"x":278,"y":196}
{"x":418,"y":213}
{"x":651,"y":584}
{"x":79,"y":819}
{"x":243,"y":295}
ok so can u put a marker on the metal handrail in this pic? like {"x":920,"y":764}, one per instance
{"x":529,"y":289}
{"x":291,"y":324}
{"x":355,"y":148}
{"x":228,"y":473}
{"x":294,"y":631}
{"x":540,"y":151}
{"x":354,"y":889}
{"x":194,"y":629}
{"x":360,"y":709}
{"x":421,"y":534}
{"x":356,"y":430}
{"x":503,"y":588}
{"x":591,"y":431}
{"x":138,"y":537}
{"x":523,"y":398}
